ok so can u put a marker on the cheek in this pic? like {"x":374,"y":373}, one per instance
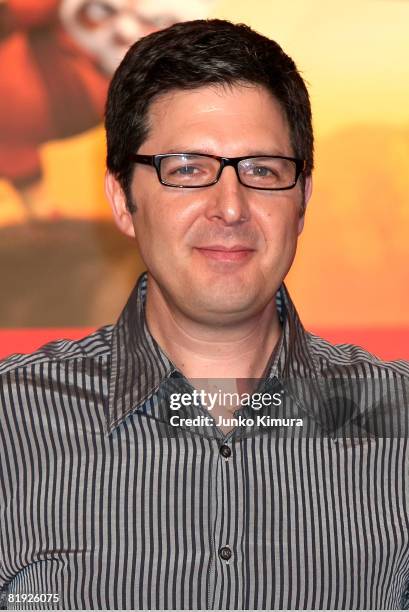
{"x":166,"y":216}
{"x":158,"y":230}
{"x":279,"y":224}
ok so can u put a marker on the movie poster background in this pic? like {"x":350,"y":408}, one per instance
{"x":63,"y":263}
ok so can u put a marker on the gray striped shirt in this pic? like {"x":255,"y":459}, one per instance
{"x":105,"y":504}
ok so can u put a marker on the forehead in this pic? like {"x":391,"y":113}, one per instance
{"x":228,"y":116}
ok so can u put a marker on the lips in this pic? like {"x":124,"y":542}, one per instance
{"x":219,"y":247}
{"x":237,"y":252}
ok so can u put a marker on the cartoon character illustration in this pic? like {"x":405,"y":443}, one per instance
{"x":56,"y":59}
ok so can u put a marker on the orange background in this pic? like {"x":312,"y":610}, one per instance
{"x":350,"y":277}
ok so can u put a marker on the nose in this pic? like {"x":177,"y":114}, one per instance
{"x":228,"y":199}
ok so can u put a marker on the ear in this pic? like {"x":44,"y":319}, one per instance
{"x":307,"y":195}
{"x":117,"y":200}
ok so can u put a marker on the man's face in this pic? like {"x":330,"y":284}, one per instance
{"x":181,"y":233}
{"x":107,"y":28}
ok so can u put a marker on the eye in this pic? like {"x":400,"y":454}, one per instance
{"x":254,"y":172}
{"x":267,"y":168}
{"x":186,"y":170}
{"x":261,"y":171}
{"x":96,"y":12}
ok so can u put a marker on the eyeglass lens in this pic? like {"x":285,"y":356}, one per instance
{"x":188,"y":170}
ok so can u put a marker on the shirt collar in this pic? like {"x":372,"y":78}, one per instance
{"x":139,"y":366}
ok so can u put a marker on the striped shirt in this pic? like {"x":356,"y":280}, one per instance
{"x":104,"y":504}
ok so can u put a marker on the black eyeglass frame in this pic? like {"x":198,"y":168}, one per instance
{"x":155,"y":161}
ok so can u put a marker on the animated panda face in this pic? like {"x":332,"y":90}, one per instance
{"x":107,"y":28}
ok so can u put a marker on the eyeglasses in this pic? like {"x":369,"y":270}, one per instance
{"x":272,"y":172}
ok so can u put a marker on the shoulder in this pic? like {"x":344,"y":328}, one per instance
{"x":92,"y":346}
{"x":353,"y":358}
{"x":55,"y":383}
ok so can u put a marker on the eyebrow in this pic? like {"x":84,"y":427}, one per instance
{"x":206,"y":151}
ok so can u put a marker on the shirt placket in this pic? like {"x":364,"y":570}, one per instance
{"x":225,"y":576}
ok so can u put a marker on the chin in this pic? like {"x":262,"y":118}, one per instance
{"x":224,"y":308}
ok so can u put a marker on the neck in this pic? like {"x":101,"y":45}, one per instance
{"x":200,"y":350}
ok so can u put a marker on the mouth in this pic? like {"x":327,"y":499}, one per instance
{"x":221,"y":253}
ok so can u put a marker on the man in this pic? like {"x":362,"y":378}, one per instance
{"x":206,"y":452}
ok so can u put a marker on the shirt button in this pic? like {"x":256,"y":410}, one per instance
{"x":225,"y":451}
{"x":225,"y":553}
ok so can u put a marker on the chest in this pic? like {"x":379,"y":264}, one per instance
{"x":142,"y":520}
